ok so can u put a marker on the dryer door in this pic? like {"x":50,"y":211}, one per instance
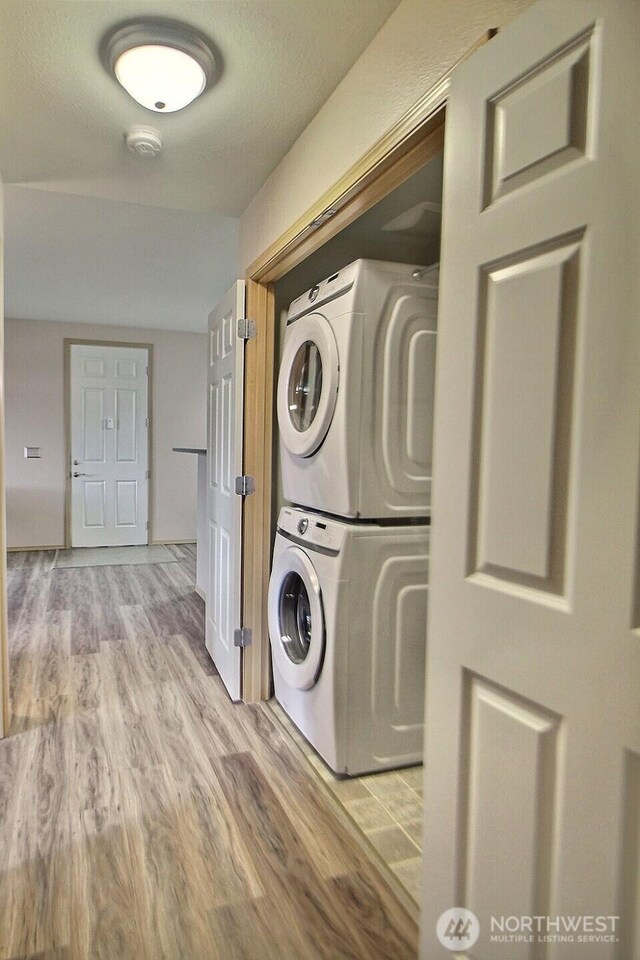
{"x":296,"y":619}
{"x":307,"y":385}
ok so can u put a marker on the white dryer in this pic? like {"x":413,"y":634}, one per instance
{"x":347,"y":622}
{"x":355,"y":392}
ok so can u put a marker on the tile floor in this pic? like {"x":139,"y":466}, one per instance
{"x":113,"y":556}
{"x":387,"y":808}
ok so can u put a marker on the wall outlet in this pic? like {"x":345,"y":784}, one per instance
{"x":32,"y":453}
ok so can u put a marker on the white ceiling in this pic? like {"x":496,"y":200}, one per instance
{"x":92,"y":233}
{"x":63,"y":116}
{"x":97,"y":261}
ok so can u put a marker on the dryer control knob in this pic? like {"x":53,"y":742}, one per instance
{"x":302,"y":525}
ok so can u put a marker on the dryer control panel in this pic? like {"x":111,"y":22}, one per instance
{"x":346,"y":280}
{"x":310,"y":529}
{"x":324,"y":291}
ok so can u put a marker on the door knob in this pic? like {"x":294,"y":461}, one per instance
{"x":76,"y":474}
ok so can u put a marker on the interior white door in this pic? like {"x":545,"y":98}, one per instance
{"x":532,"y":772}
{"x":224,"y":505}
{"x":109,"y":445}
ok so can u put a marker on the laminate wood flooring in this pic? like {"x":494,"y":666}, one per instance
{"x":143,"y":816}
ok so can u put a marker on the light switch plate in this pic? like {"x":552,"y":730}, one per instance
{"x":109,"y":423}
{"x":32,"y":453}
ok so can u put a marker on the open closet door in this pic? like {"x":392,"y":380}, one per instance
{"x":224,"y":505}
{"x":532,"y":757}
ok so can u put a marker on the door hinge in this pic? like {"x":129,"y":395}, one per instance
{"x":242,"y":637}
{"x":148,"y":475}
{"x":245,"y":486}
{"x":246,"y":329}
{"x":147,"y":422}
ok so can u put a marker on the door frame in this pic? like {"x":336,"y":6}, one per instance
{"x":411,"y":143}
{"x":75,"y":341}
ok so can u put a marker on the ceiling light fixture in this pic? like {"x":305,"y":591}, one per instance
{"x":162,"y":64}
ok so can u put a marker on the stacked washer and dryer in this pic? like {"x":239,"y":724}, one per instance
{"x":348,"y":589}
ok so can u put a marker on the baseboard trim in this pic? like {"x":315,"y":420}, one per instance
{"x":200,"y":593}
{"x":55,"y":546}
{"x":61,"y":546}
{"x":170,"y":543}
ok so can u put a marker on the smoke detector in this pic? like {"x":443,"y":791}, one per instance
{"x":144,"y":141}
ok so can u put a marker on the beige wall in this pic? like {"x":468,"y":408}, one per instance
{"x":34,"y":368}
{"x":4,"y":658}
{"x":419,"y":43}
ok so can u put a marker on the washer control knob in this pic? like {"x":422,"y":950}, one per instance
{"x":302,"y":525}
{"x":313,"y":293}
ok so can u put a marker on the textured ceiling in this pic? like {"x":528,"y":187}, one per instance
{"x":62,"y":116}
{"x":100,"y":261}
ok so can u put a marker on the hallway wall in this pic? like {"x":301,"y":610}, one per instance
{"x":34,"y":370}
{"x":418,"y":44}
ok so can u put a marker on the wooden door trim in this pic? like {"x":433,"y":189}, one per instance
{"x":375,"y":176}
{"x":392,"y":154}
{"x":76,"y":341}
{"x":258,"y":462}
{"x":402,"y":151}
{"x":364,"y":183}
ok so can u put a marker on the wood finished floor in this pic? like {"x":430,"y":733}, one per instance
{"x":145,"y":817}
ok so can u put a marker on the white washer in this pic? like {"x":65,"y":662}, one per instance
{"x":355,"y":392}
{"x":347,"y":621}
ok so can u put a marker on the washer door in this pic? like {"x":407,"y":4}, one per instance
{"x":307,"y":385}
{"x":296,"y":619}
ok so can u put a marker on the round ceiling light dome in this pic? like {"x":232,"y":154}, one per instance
{"x":162,"y":64}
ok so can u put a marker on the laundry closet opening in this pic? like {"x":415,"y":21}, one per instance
{"x":348,"y":595}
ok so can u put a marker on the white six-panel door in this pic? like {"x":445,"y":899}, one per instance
{"x":532,"y":755}
{"x":224,"y":506}
{"x":109,"y":445}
